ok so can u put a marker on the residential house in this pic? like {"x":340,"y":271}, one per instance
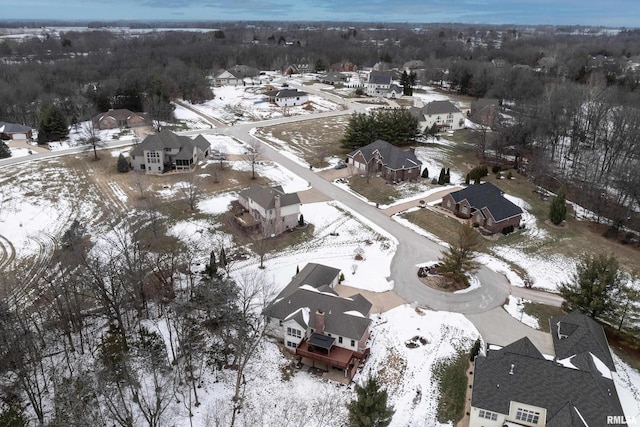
{"x":296,"y":69}
{"x":121,"y":118}
{"x":227,"y":78}
{"x":441,"y":113}
{"x":343,"y":66}
{"x":517,"y":386}
{"x":333,"y":78}
{"x":323,"y":329}
{"x":485,"y":111}
{"x":15,"y":131}
{"x":268,"y":208}
{"x":391,"y":162}
{"x":287,"y":97}
{"x":380,"y":84}
{"x":485,"y":205}
{"x":167,"y":151}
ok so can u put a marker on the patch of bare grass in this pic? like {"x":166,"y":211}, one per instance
{"x":313,"y":140}
{"x":376,"y":190}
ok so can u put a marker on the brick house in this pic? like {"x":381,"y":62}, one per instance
{"x":392,"y":163}
{"x":485,"y":205}
{"x":121,"y":118}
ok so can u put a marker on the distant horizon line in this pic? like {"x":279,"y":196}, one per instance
{"x":197,"y":21}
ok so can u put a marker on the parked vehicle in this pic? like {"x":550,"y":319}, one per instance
{"x":340,"y":165}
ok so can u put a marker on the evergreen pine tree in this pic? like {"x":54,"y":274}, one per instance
{"x":53,"y":124}
{"x":123,"y":164}
{"x":558,"y":208}
{"x":301,"y":221}
{"x":4,"y":150}
{"x":467,"y":179}
{"x":425,"y":173}
{"x":297,"y":269}
{"x":223,"y":258}
{"x":441,"y":178}
{"x":212,"y":267}
{"x":594,"y":286}
{"x":370,"y":408}
{"x":447,"y":177}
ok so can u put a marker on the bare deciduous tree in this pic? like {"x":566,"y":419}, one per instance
{"x":252,"y":155}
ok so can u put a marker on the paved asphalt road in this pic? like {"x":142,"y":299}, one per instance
{"x":413,"y":249}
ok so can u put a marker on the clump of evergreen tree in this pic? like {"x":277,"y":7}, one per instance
{"x":53,"y":124}
{"x":558,"y":208}
{"x":123,"y":164}
{"x":394,"y":125}
{"x":4,"y":150}
{"x":370,"y":408}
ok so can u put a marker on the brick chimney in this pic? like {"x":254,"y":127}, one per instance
{"x":320,"y":321}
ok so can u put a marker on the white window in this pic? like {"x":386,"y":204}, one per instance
{"x":464,"y":210}
{"x":488,"y":415}
{"x":353,"y":343}
{"x":448,"y":203}
{"x":527,"y":416}
{"x":294,"y":332}
{"x":340,"y":340}
{"x":291,"y":344}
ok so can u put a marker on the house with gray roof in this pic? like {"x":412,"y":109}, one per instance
{"x":15,"y":131}
{"x":227,"y":78}
{"x":166,"y":151}
{"x":380,"y":83}
{"x":287,"y":97}
{"x":485,"y":205}
{"x":324,"y":329}
{"x":444,"y":114}
{"x":271,"y":209}
{"x":576,"y":335}
{"x":391,"y":162}
{"x":517,"y":386}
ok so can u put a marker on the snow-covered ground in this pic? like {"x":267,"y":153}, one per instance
{"x":338,"y":234}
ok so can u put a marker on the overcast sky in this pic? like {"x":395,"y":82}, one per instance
{"x":613,"y":13}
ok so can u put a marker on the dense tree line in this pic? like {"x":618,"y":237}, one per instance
{"x":85,"y":71}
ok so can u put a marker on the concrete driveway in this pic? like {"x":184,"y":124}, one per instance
{"x":492,"y":325}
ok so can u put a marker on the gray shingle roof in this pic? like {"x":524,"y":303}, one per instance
{"x":309,"y":288}
{"x":266,"y":196}
{"x":379,"y":78}
{"x":168,"y":139}
{"x":393,"y":157}
{"x":581,"y":334}
{"x":6,"y":127}
{"x":317,"y":275}
{"x":439,"y":107}
{"x":516,"y":373}
{"x":488,"y":196}
{"x":285,"y":93}
{"x":336,"y":321}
